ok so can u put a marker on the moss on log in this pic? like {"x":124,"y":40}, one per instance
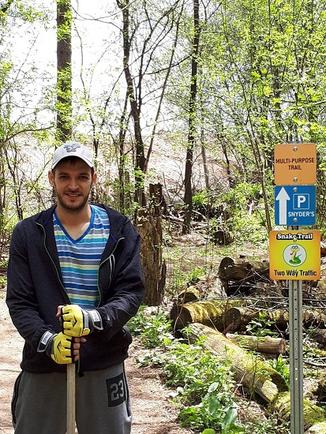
{"x":236,"y":318}
{"x":252,"y":372}
{"x":206,"y":312}
{"x":262,"y":344}
{"x":312,"y":413}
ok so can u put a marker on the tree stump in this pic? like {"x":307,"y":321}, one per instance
{"x":149,"y":226}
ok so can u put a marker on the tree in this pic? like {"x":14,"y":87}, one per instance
{"x":192,"y":130}
{"x":64,"y":72}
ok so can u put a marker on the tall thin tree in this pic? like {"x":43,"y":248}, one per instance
{"x":135,"y":108}
{"x":191,"y":121}
{"x":64,"y":71}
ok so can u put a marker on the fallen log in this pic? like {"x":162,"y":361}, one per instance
{"x":321,"y":391}
{"x":237,"y":318}
{"x":312,"y":413}
{"x":206,"y":312}
{"x":320,"y":336}
{"x":235,"y":275}
{"x":253,"y":373}
{"x":188,"y":295}
{"x":242,"y":269}
{"x":263,"y":344}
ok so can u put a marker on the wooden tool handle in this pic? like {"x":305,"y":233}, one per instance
{"x":71,"y":398}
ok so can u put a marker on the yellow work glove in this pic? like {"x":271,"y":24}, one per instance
{"x":61,"y":349}
{"x":79,"y":322}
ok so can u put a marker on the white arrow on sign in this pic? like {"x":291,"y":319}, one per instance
{"x":283,"y":197}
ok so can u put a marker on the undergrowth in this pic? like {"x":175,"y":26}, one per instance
{"x":205,"y":390}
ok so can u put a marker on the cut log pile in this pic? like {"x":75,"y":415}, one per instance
{"x":241,"y":274}
{"x":224,"y":322}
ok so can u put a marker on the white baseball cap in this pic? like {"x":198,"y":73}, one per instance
{"x":72,"y":149}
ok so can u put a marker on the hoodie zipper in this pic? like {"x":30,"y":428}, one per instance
{"x":53,"y":263}
{"x":111,"y":259}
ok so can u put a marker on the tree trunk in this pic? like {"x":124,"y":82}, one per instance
{"x":253,"y":373}
{"x":64,"y":74}
{"x":149,"y":224}
{"x":122,"y":157}
{"x":237,"y":318}
{"x":263,"y":344}
{"x":243,"y":269}
{"x":140,"y":161}
{"x":192,"y":121}
{"x":227,"y":161}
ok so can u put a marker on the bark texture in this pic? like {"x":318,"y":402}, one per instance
{"x":264,"y":344}
{"x":64,"y":73}
{"x":210,"y":313}
{"x":149,"y":227}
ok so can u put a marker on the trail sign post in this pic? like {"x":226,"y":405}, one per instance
{"x":295,"y":253}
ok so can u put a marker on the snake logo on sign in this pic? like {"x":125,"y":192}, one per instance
{"x":294,"y":255}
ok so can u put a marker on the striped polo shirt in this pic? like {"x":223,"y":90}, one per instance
{"x":79,"y":259}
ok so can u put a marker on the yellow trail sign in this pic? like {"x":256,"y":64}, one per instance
{"x":294,"y":255}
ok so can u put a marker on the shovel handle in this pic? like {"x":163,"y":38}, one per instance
{"x":71,"y":398}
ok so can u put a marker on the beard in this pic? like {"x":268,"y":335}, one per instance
{"x":73,"y":203}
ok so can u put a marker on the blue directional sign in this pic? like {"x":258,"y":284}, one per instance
{"x":295,"y":205}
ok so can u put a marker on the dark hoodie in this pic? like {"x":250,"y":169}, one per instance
{"x":35,"y":289}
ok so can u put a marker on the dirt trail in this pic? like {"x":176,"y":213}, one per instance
{"x":152,"y":411}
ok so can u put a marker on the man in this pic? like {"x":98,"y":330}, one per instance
{"x":74,"y":280}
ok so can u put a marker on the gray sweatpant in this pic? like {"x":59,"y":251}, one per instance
{"x":102,"y":403}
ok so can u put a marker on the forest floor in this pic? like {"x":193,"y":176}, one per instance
{"x":152,"y":409}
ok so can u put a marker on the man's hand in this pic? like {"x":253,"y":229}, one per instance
{"x":61,"y":349}
{"x":77,"y":322}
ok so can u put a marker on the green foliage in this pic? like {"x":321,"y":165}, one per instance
{"x":154,"y":330}
{"x":200,"y":199}
{"x":3,"y":281}
{"x":206,"y":383}
{"x":195,"y":275}
{"x":261,"y":326}
{"x":282,"y":367}
{"x":212,"y":411}
{"x":271,"y":426}
{"x":246,"y":215}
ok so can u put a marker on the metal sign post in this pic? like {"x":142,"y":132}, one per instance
{"x":295,"y":253}
{"x":296,"y":358}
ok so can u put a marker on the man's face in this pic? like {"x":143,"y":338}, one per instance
{"x":72,"y":181}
